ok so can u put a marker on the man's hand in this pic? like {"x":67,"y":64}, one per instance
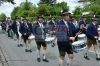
{"x":72,"y":38}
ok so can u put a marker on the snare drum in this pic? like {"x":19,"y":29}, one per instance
{"x":50,"y":40}
{"x":99,"y":39}
{"x":31,"y":37}
{"x":99,"y":31}
{"x":81,"y":37}
{"x":79,"y":45}
{"x":0,"y":28}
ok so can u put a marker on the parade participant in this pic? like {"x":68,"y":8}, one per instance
{"x":9,"y":27}
{"x":15,"y":28}
{"x":64,"y":35}
{"x":92,"y":36}
{"x":31,"y":29}
{"x":74,"y":26}
{"x":3,"y":25}
{"x":26,"y":32}
{"x":82,"y":24}
{"x":52,"y":24}
{"x":52,"y":27}
{"x":40,"y":38}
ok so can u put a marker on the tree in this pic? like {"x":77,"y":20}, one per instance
{"x":60,"y":6}
{"x":43,"y":9}
{"x":93,"y":7}
{"x":14,"y":12}
{"x":2,"y":17}
{"x":26,"y":10}
{"x":77,"y":12}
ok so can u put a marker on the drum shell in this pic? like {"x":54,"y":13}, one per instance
{"x":79,"y":45}
{"x":50,"y":40}
{"x":82,"y":37}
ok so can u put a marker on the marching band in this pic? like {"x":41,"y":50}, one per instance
{"x":71,"y":35}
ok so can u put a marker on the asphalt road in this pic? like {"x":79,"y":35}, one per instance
{"x":18,"y":57}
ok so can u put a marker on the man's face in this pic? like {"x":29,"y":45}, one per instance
{"x":25,"y":21}
{"x":66,"y":18}
{"x":40,"y":20}
{"x":95,"y":21}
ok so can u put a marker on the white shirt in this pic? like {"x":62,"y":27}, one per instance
{"x":66,"y":24}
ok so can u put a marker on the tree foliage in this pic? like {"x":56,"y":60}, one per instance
{"x":2,"y":17}
{"x":28,"y":10}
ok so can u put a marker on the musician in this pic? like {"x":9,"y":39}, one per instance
{"x":9,"y":26}
{"x":82,"y":24}
{"x":52,"y":24}
{"x":3,"y":25}
{"x":52,"y":27}
{"x":15,"y":28}
{"x":40,"y":38}
{"x":64,"y":35}
{"x":92,"y":35}
{"x":26,"y":32}
{"x":74,"y":26}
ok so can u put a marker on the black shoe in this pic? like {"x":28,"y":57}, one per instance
{"x":29,"y":50}
{"x":68,"y":64}
{"x":38,"y":60}
{"x":53,"y":45}
{"x":86,"y":57}
{"x":18,"y":45}
{"x":45,"y":60}
{"x":98,"y":59}
{"x":26,"y":50}
{"x":21,"y":45}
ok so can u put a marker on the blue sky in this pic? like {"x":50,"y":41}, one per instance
{"x":7,"y":7}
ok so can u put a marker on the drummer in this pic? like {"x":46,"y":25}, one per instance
{"x":63,"y":33}
{"x":92,"y":36}
{"x":40,"y":38}
{"x":82,"y":24}
{"x":25,"y":30}
{"x":52,"y":26}
{"x":74,"y":25}
{"x":15,"y":28}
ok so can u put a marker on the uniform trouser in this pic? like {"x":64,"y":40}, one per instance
{"x":10,"y":33}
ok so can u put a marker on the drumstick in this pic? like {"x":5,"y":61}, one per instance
{"x":77,"y":34}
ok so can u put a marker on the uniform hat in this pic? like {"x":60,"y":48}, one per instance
{"x":95,"y":19}
{"x":40,"y":17}
{"x":65,"y":12}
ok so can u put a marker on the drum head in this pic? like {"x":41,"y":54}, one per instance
{"x":49,"y":39}
{"x":98,"y":29}
{"x":0,"y":27}
{"x":31,"y":37}
{"x":81,"y":35}
{"x":78,"y":42}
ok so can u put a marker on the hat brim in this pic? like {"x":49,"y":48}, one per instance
{"x":95,"y":19}
{"x":65,"y":13}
